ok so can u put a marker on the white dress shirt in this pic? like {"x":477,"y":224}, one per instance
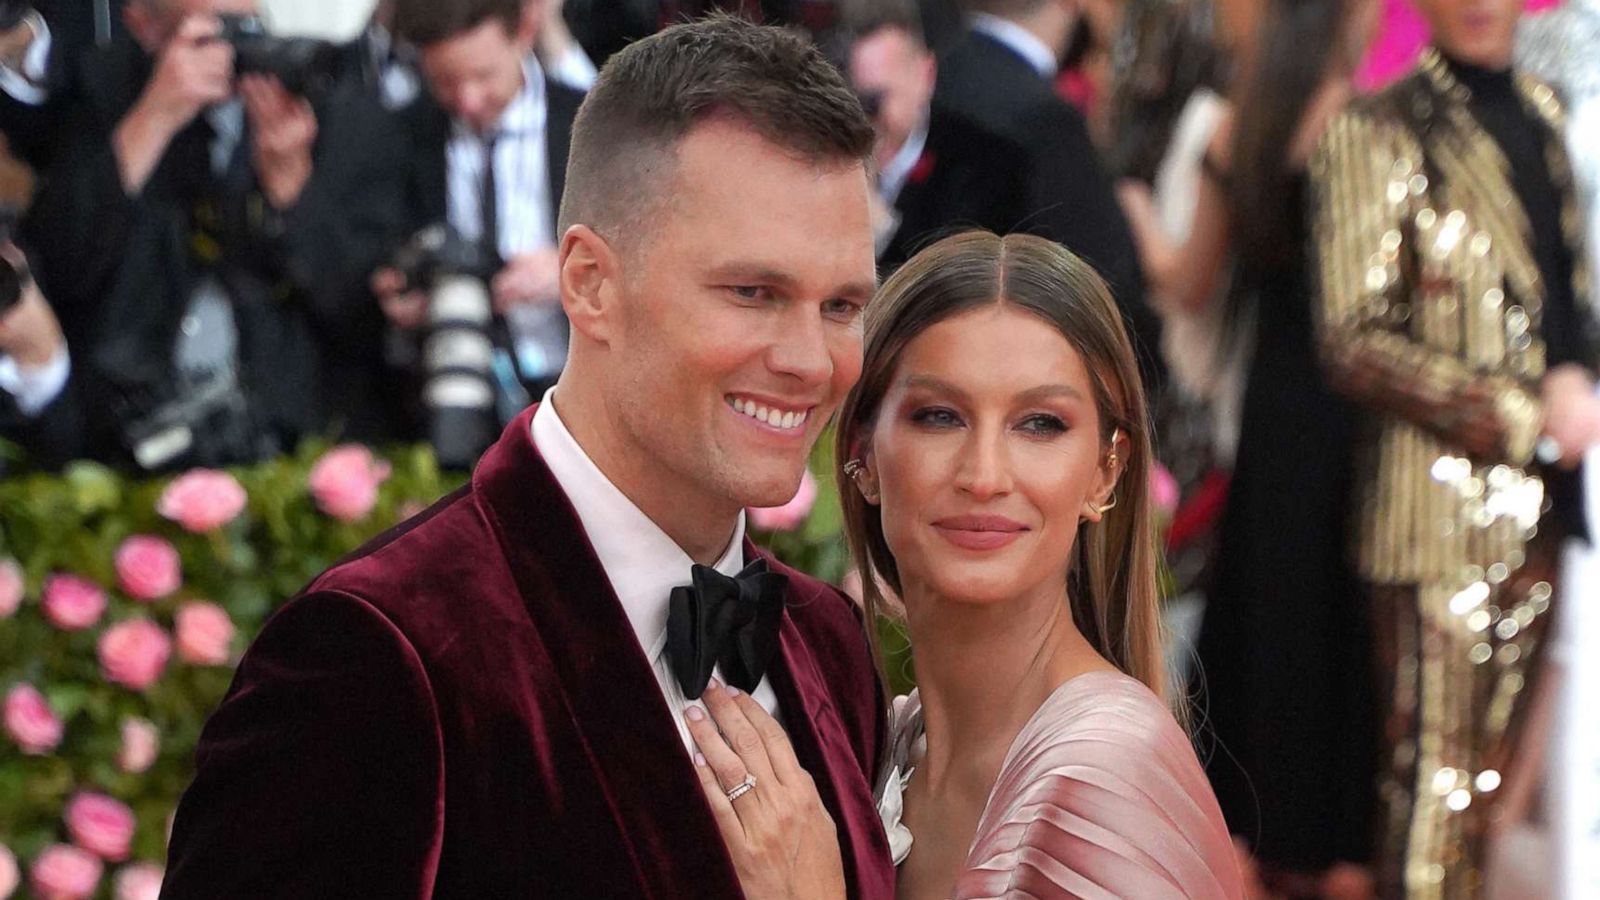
{"x":521,"y":172}
{"x":1020,"y":40}
{"x":34,"y":389}
{"x":642,"y":563}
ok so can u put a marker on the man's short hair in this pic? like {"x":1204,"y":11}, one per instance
{"x":1003,"y":8}
{"x":861,"y":18}
{"x":424,"y":22}
{"x":655,"y":91}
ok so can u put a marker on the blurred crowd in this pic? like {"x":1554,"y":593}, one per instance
{"x":219,"y":241}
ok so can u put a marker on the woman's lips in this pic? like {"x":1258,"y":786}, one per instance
{"x":980,"y":532}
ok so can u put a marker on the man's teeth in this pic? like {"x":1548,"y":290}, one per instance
{"x":774,"y":417}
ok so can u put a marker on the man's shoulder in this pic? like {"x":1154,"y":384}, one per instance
{"x":430,"y":557}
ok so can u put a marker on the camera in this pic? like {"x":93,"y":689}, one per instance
{"x":458,"y":344}
{"x":13,"y":277}
{"x":205,"y":423}
{"x":306,"y":66}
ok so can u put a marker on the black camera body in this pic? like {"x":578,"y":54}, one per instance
{"x":306,"y":66}
{"x":458,"y":342}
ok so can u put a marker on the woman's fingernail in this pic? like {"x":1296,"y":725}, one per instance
{"x":695,"y":713}
{"x":699,"y":759}
{"x":733,"y":691}
{"x":715,"y":683}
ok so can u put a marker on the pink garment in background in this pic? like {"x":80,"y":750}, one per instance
{"x":1401,"y":35}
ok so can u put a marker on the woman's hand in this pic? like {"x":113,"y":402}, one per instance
{"x":780,"y":836}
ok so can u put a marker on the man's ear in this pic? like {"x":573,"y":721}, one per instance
{"x":591,"y":282}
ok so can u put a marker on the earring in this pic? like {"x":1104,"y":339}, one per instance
{"x":853,"y":468}
{"x":1111,"y":463}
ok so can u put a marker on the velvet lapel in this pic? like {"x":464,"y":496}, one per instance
{"x":823,"y":749}
{"x":650,"y":786}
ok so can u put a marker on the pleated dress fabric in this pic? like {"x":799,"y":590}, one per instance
{"x":1100,"y":796}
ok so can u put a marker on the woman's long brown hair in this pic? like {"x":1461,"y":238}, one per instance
{"x":1111,"y":582}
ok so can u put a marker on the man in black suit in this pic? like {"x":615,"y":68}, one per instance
{"x":205,"y":240}
{"x":938,"y":172}
{"x":1001,"y":74}
{"x":39,"y":54}
{"x":490,"y":161}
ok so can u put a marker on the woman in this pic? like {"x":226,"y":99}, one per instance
{"x":1284,"y":646}
{"x":997,"y":458}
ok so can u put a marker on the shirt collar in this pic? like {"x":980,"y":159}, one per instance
{"x":1019,"y":40}
{"x":642,"y":563}
{"x":894,"y":174}
{"x":524,"y":115}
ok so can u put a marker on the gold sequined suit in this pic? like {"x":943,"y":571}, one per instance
{"x":1429,"y":317}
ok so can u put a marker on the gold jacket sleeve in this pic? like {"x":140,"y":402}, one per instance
{"x":1369,"y":193}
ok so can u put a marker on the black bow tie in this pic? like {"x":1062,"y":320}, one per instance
{"x":728,"y":621}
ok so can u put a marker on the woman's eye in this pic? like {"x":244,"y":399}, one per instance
{"x":936,"y":417}
{"x":1044,"y":424}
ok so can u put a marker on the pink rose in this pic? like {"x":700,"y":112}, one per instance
{"x":791,"y":515}
{"x":30,"y":721}
{"x":134,"y":653}
{"x":202,"y":500}
{"x":101,"y":825}
{"x":72,"y":603}
{"x":141,"y":743}
{"x":10,"y":876}
{"x":65,"y":873}
{"x":148,"y":567}
{"x":1163,"y":490}
{"x":11,"y":590}
{"x":345,"y":482}
{"x":204,"y":634}
{"x":140,"y":881}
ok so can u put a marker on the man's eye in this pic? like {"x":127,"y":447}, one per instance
{"x":840,"y":308}
{"x":748,"y":292}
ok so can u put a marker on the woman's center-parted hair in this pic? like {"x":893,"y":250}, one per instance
{"x":1111,"y":582}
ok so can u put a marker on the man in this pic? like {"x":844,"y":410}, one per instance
{"x":205,"y":239}
{"x":1001,"y":75}
{"x":492,"y":101}
{"x":39,"y":54}
{"x":1453,"y":310}
{"x":486,"y":702}
{"x":938,"y":172}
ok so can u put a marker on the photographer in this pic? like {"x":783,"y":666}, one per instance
{"x":207,"y":234}
{"x":41,"y":42}
{"x":490,"y":157}
{"x":39,"y":407}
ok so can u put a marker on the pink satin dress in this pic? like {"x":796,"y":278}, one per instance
{"x":1100,"y":796}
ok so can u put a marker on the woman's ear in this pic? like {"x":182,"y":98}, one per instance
{"x":863,"y":475}
{"x":1103,"y":498}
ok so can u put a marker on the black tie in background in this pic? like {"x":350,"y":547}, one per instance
{"x":732,"y":622}
{"x":488,"y":202}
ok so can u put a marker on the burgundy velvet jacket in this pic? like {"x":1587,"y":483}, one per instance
{"x":461,"y":709}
